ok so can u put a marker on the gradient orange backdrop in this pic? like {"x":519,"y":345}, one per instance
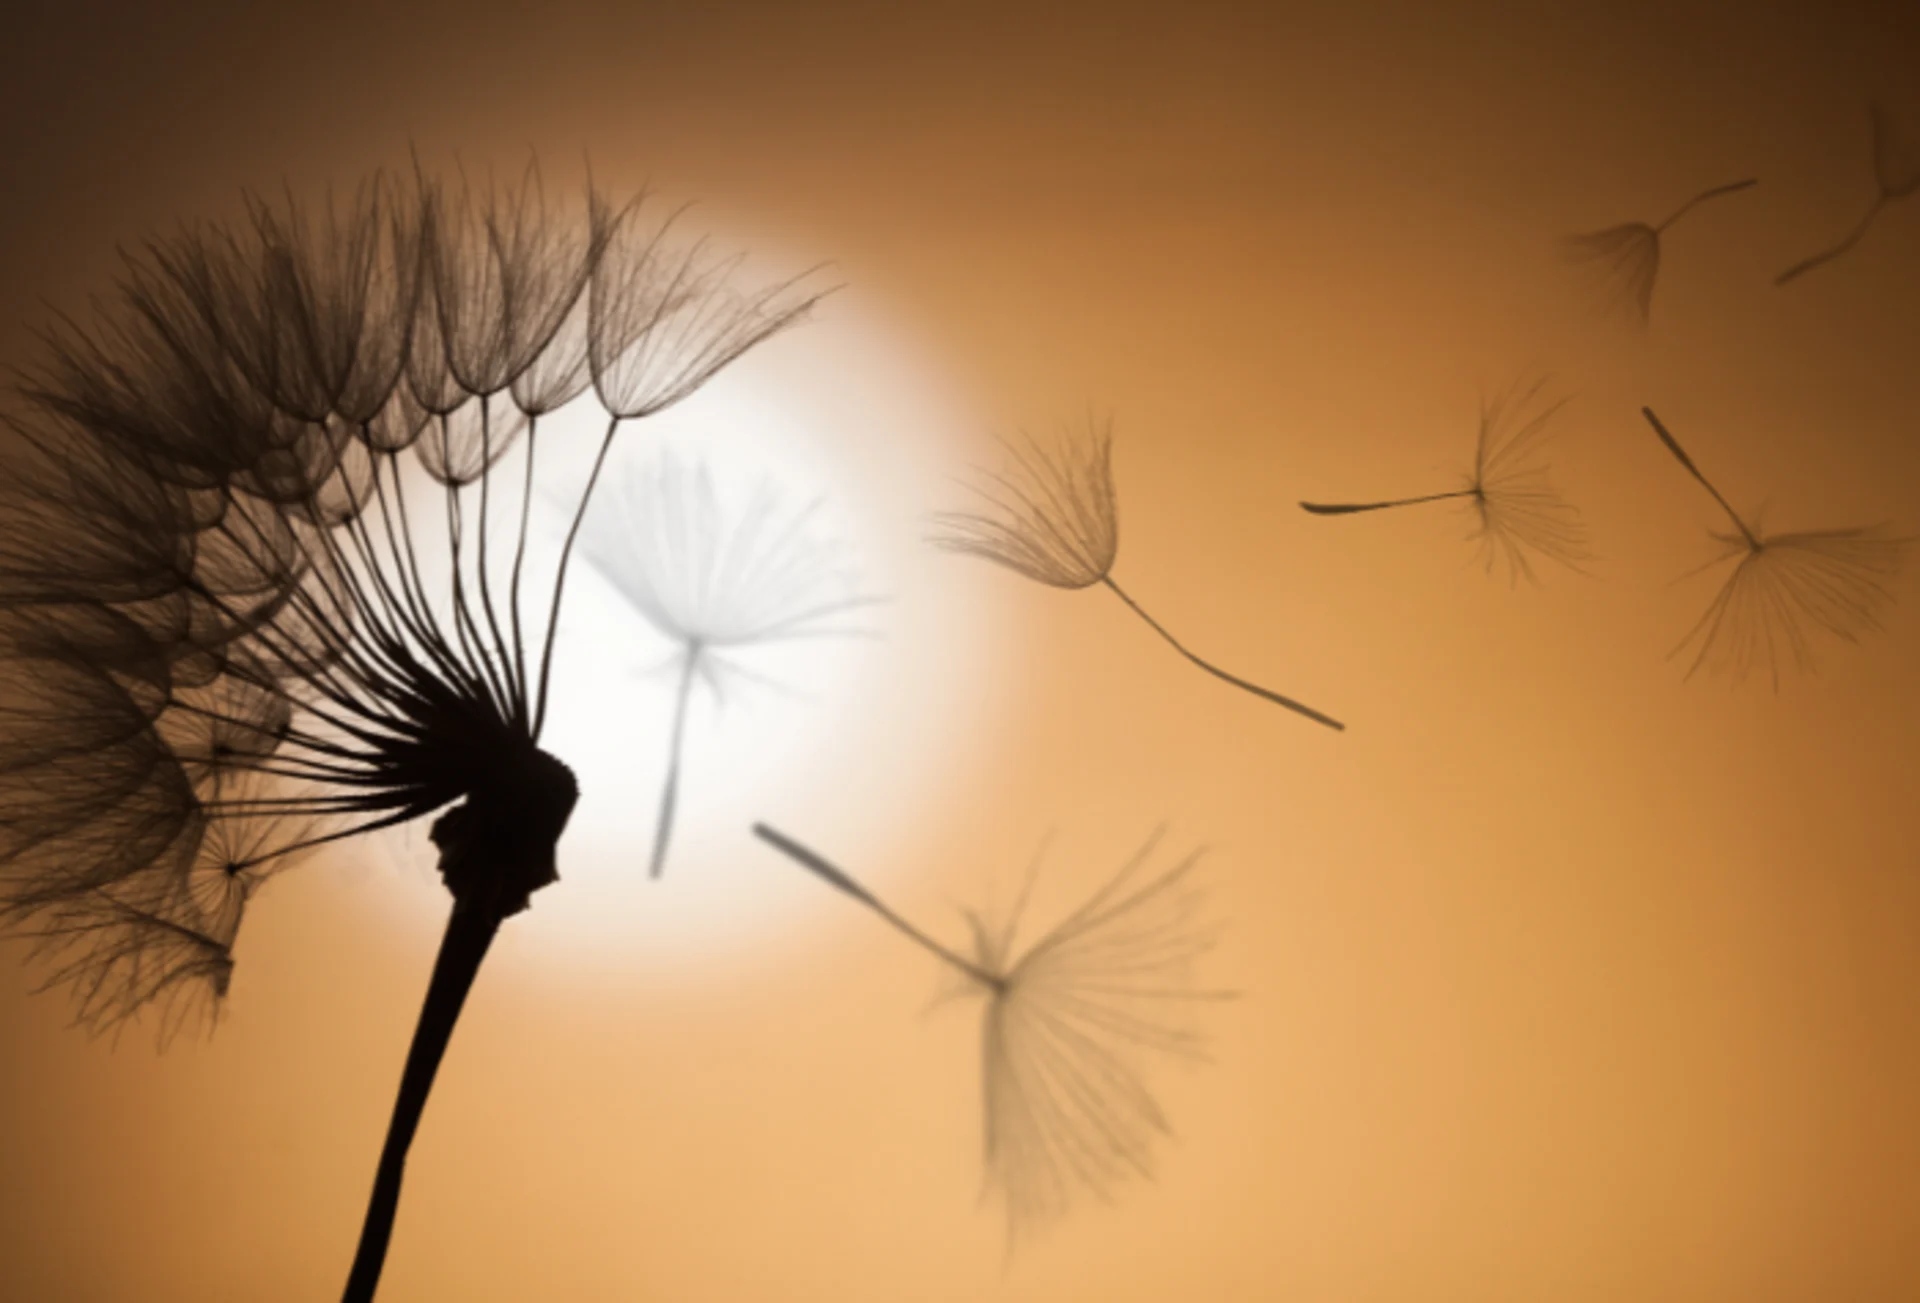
{"x":1565,"y":979}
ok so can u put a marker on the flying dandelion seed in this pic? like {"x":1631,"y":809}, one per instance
{"x":1515,"y":507}
{"x":1896,"y":174}
{"x":1783,"y":584}
{"x":718,"y":583}
{"x":224,"y":636}
{"x":1626,"y":258}
{"x":1072,"y":1021}
{"x":1054,"y":518}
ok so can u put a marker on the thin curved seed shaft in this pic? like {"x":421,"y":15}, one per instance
{"x":400,"y":584}
{"x":412,"y":559}
{"x":406,"y":564}
{"x":464,"y":630}
{"x":516,"y":690}
{"x":1828,"y":255}
{"x":401,"y":604}
{"x":1348,"y":508}
{"x":1258,"y":691}
{"x":519,"y":560}
{"x":560,"y":576}
{"x":670,"y":794}
{"x":385,"y":643}
{"x":323,"y":839}
{"x":324,"y":683}
{"x":373,"y":603}
{"x":1673,"y":446}
{"x":291,"y":735}
{"x":466,"y":624}
{"x":1703,"y":196}
{"x":469,"y":932}
{"x":837,"y":877}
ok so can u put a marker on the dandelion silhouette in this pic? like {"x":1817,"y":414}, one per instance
{"x":1833,"y":579}
{"x":224,"y":639}
{"x":1071,"y":1022}
{"x":717,"y":583}
{"x":1515,"y":506}
{"x":1627,"y":257}
{"x":1896,"y":174}
{"x":1054,"y":519}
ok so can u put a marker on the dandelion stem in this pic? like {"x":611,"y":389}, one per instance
{"x":470,"y":930}
{"x":1828,"y":255}
{"x":837,"y":877}
{"x":1703,"y":196}
{"x":1215,"y":670}
{"x":669,"y":795}
{"x":1348,"y":508}
{"x":560,"y":574}
{"x":1673,"y":446}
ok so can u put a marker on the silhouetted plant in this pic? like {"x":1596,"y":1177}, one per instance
{"x":1833,"y":579}
{"x":1515,"y":506}
{"x":716,"y":582}
{"x":1072,"y":1021}
{"x":222,"y":645}
{"x":1896,"y":174}
{"x":1054,"y":518}
{"x":1627,"y":257}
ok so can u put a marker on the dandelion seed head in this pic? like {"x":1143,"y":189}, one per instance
{"x":716,"y":574}
{"x":1052,"y":515}
{"x":1625,"y":259}
{"x":1517,"y":509}
{"x":1783,"y":588}
{"x":118,"y":960}
{"x":1073,"y":1026}
{"x":1625,"y":262}
{"x":665,"y":318}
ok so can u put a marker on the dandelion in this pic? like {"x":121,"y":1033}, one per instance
{"x":716,"y":582}
{"x":1073,"y":1020}
{"x":1627,"y":257}
{"x":1054,"y":518}
{"x":1516,"y":509}
{"x":224,"y":638}
{"x":1896,"y":174}
{"x":1783,"y":585}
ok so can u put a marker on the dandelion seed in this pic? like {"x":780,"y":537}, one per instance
{"x":1054,"y":518}
{"x":1627,"y":257}
{"x":717,"y":583}
{"x":1783,"y":585}
{"x":220,"y":644}
{"x":1073,"y":1022}
{"x":1896,"y":174}
{"x":117,"y":958}
{"x":1515,"y":507}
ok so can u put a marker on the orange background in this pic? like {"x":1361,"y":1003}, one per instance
{"x":1565,"y":979}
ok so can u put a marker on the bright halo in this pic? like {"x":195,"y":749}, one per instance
{"x":865,"y":723}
